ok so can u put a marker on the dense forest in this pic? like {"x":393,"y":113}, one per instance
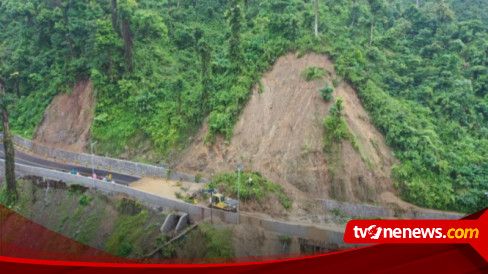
{"x":161,"y":67}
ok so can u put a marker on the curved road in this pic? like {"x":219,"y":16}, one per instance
{"x":30,"y":160}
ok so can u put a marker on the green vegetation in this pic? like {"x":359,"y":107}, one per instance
{"x":127,"y":234}
{"x":208,"y":241}
{"x":326,"y":92}
{"x":160,"y":67}
{"x":259,"y":190}
{"x":339,"y":216}
{"x":313,"y":73}
{"x":6,"y":198}
{"x":90,"y":226}
{"x":130,"y":229}
{"x":198,"y":178}
{"x":168,"y":251}
{"x":421,"y":77}
{"x":285,"y":239}
{"x":219,"y":241}
{"x":85,"y":200}
{"x":184,"y":198}
{"x":129,"y":206}
{"x":336,"y":129}
{"x":120,"y":226}
{"x":342,"y":218}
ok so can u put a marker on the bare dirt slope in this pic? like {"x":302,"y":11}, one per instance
{"x":279,"y":134}
{"x":67,"y":120}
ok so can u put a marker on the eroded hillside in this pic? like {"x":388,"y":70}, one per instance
{"x":66,"y":122}
{"x":279,"y":134}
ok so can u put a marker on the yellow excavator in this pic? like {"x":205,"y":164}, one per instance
{"x":218,"y":200}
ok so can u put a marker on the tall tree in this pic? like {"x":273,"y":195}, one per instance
{"x":178,"y":88}
{"x":66,"y":9}
{"x":316,"y":18}
{"x":106,"y":41}
{"x":115,"y":16}
{"x":234,"y":17}
{"x":355,"y":12}
{"x":376,"y":7}
{"x":205,"y":59}
{"x":125,"y":12}
{"x":8,"y":146}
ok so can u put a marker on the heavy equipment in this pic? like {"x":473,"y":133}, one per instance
{"x":218,"y":200}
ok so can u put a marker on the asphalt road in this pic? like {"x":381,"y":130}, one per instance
{"x":30,"y":160}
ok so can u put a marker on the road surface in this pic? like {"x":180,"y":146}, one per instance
{"x":30,"y":160}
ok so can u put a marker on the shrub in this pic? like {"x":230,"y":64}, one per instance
{"x":129,"y":207}
{"x":326,"y":92}
{"x":125,"y":249}
{"x":260,"y":188}
{"x":335,"y":82}
{"x":285,"y":239}
{"x":198,"y":178}
{"x":313,"y":73}
{"x":85,"y":200}
{"x":336,"y":129}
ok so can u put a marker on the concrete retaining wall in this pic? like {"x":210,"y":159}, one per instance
{"x":169,"y":223}
{"x":370,"y":211}
{"x":99,"y":162}
{"x":433,"y":215}
{"x":357,"y":210}
{"x":176,"y":221}
{"x":183,"y":221}
{"x":325,"y":234}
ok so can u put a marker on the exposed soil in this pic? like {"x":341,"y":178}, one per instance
{"x":166,"y":188}
{"x":67,"y":120}
{"x":280,"y":132}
